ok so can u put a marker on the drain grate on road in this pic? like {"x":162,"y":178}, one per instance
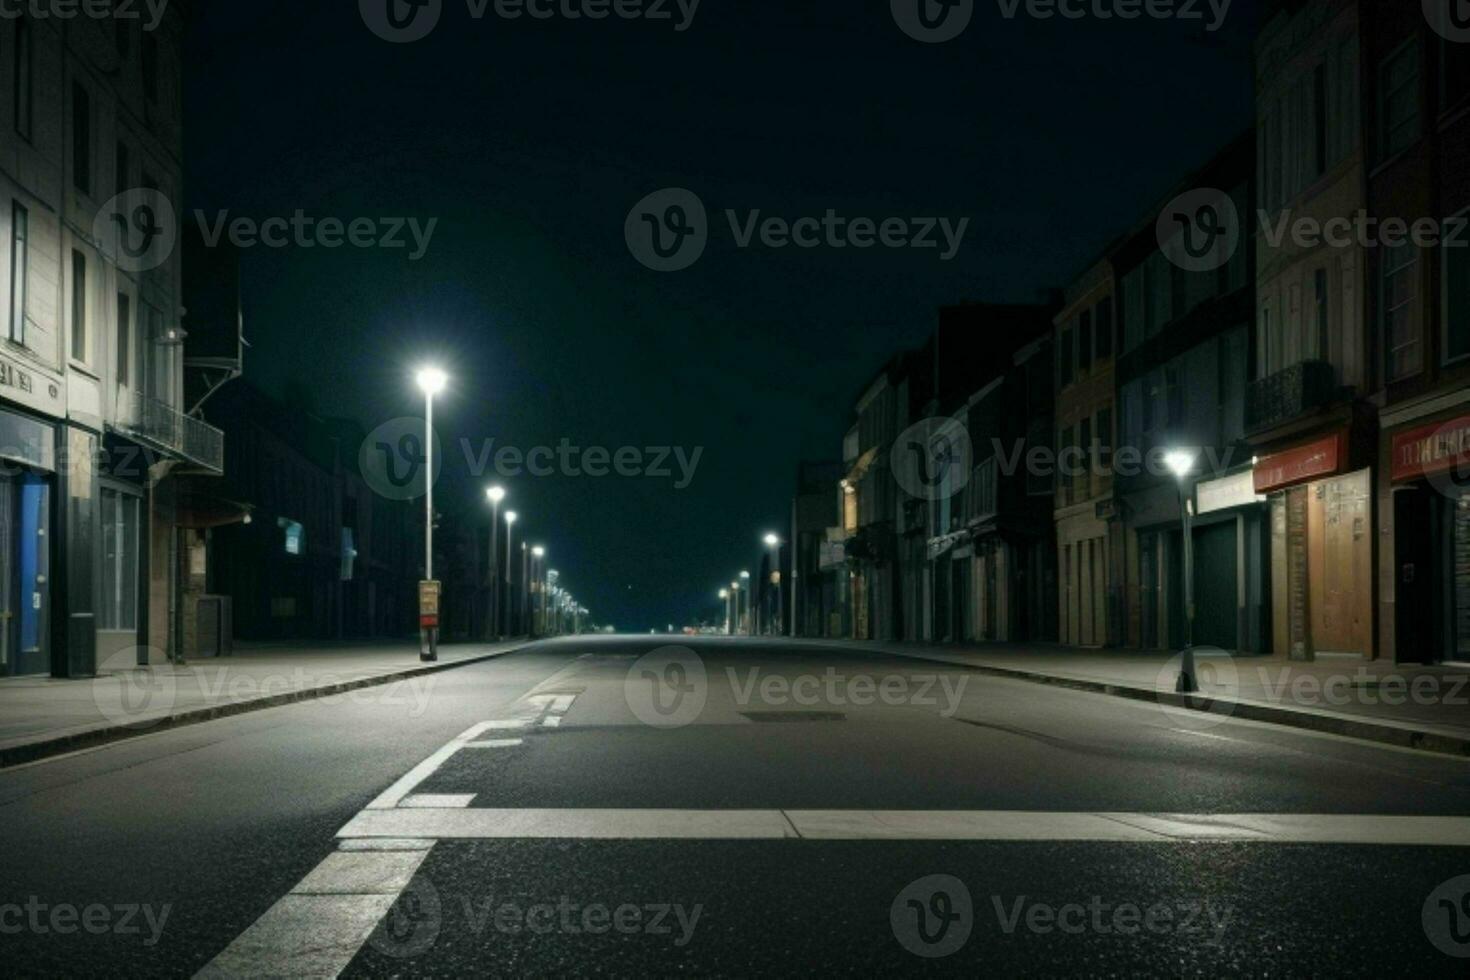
{"x":793,"y":716}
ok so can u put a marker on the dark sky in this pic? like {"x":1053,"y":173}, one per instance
{"x":530,"y":141}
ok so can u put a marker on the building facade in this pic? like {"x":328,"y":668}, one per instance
{"x":1416,"y":86}
{"x":95,"y":428}
{"x":1183,"y":363}
{"x":1089,"y":536}
{"x":1308,"y":419}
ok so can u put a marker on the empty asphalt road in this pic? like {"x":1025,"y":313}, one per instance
{"x":621,"y":807}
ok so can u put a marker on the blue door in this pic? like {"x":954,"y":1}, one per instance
{"x":31,"y":592}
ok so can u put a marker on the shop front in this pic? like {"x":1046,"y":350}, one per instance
{"x":1321,"y":549}
{"x":1429,"y":467}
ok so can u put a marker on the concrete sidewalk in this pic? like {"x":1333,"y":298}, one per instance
{"x":42,"y":716}
{"x":1422,"y":707}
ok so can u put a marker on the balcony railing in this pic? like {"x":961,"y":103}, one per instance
{"x":1283,"y":396}
{"x":170,"y":430}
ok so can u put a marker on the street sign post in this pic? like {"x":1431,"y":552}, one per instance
{"x":429,"y":593}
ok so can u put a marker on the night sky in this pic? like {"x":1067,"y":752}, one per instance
{"x":530,"y":141}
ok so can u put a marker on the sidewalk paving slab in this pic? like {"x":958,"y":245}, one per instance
{"x":43,"y":716}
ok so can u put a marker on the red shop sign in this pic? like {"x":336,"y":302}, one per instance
{"x":1316,"y":459}
{"x":1431,"y":449}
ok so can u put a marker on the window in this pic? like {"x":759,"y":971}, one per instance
{"x":1400,"y":332}
{"x":81,"y":136}
{"x":124,"y":166}
{"x":1102,"y":321}
{"x":1064,"y":359}
{"x":20,"y":253}
{"x":119,"y":606}
{"x":24,"y":108}
{"x":1319,"y":286}
{"x":1398,"y":100}
{"x":78,"y":306}
{"x":124,"y":335}
{"x":1104,"y":440}
{"x":1084,"y":341}
{"x":150,"y":67}
{"x":1456,"y":303}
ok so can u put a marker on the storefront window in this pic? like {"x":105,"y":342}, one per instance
{"x":119,"y":607}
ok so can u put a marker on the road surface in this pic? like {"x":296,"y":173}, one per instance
{"x":619,"y":807}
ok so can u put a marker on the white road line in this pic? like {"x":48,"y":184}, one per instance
{"x":551,"y":721}
{"x":317,"y":929}
{"x":386,"y":844}
{"x":974,"y":825}
{"x":438,"y":801}
{"x":494,"y":743}
{"x":394,"y":794}
{"x":570,"y":824}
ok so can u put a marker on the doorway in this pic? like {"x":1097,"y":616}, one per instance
{"x":25,"y":520}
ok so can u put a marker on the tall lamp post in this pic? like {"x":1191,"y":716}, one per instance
{"x":431,"y":381}
{"x":537,"y":603}
{"x":725,"y":598}
{"x":773,"y":541}
{"x":510,"y":526}
{"x":495,"y":495}
{"x":734,"y":607}
{"x":749,"y":610}
{"x":1181,"y":464}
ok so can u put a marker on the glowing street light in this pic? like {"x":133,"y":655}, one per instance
{"x":495,"y":495}
{"x":725,"y":598}
{"x":1181,"y":463}
{"x":749,"y":609}
{"x":431,"y":381}
{"x":773,"y":541}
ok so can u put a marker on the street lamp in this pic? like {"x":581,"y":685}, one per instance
{"x":734,"y":608}
{"x":725,"y":598}
{"x":749,"y":611}
{"x":431,"y":381}
{"x":773,"y":541}
{"x":495,"y":495}
{"x":510,"y":525}
{"x":1181,"y":463}
{"x":538,"y":567}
